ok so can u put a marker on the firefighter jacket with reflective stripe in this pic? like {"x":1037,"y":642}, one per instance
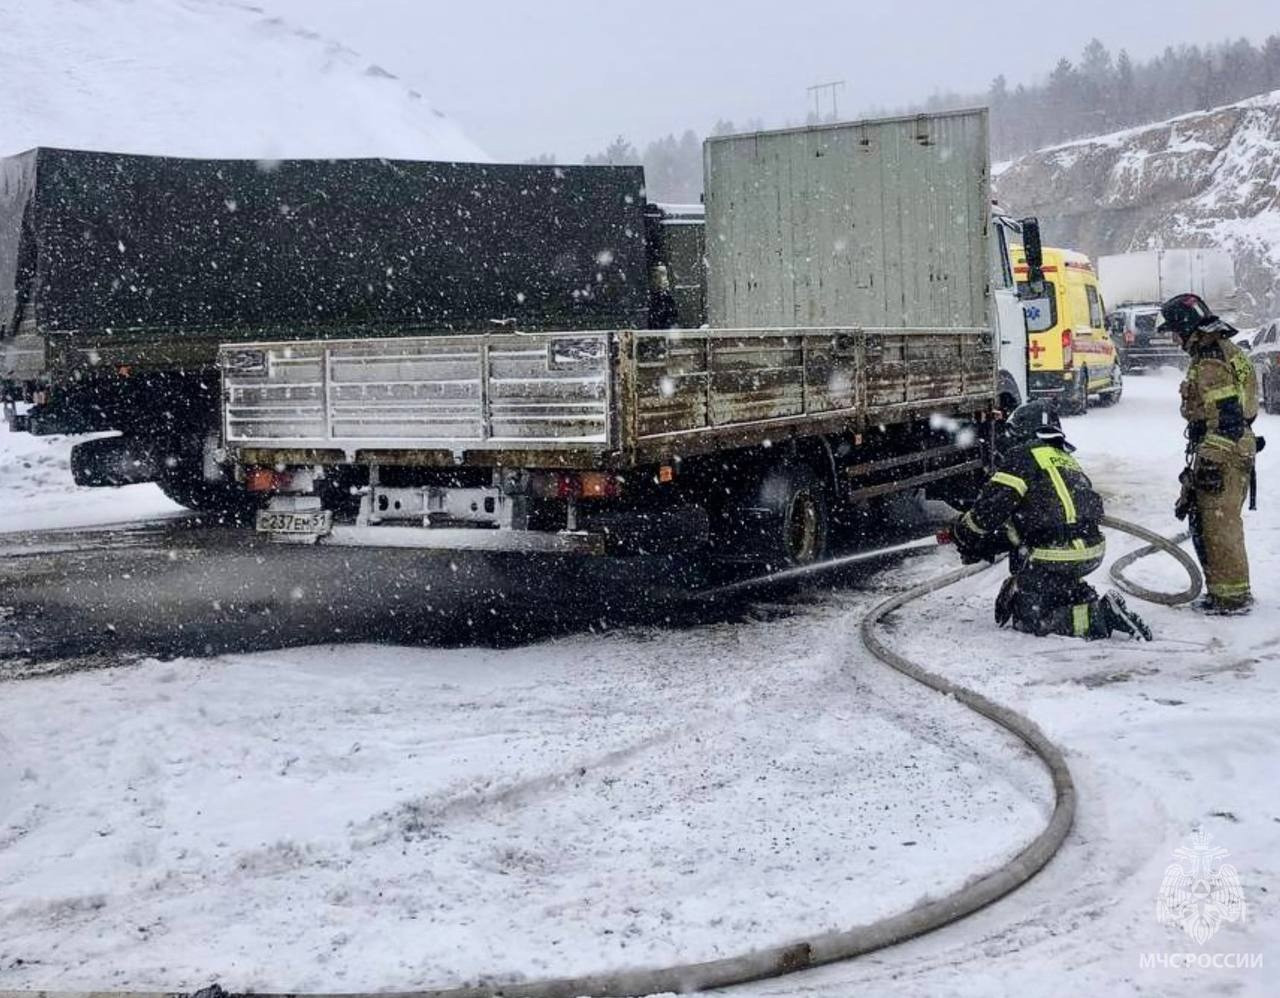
{"x":1043,"y":502}
{"x":1220,"y":400}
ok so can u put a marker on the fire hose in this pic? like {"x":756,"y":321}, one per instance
{"x":846,"y":943}
{"x":1155,"y":544}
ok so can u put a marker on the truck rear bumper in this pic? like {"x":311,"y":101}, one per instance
{"x":462,"y":539}
{"x":622,"y":533}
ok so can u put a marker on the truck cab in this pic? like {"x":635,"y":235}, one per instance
{"x":1070,"y":352}
{"x":1008,"y":320}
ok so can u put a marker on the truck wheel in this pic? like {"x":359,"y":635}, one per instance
{"x":228,"y":502}
{"x":182,"y":478}
{"x":782,"y":523}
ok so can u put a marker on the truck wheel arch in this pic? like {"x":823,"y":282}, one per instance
{"x":1009,"y":395}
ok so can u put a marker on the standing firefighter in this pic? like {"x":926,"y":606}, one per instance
{"x":1041,"y":507}
{"x":1219,"y":403}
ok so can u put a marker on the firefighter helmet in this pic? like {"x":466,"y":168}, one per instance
{"x":1188,"y":313}
{"x":1036,"y":420}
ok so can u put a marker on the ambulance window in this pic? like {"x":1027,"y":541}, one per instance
{"x":1002,"y":271}
{"x":1096,"y":318}
{"x":1036,"y":321}
{"x":1077,"y":305}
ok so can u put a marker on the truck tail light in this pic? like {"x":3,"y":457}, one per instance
{"x":263,"y":480}
{"x":598,"y":485}
{"x":274,"y":480}
{"x":575,"y":485}
{"x":553,"y":485}
{"x":1066,"y":348}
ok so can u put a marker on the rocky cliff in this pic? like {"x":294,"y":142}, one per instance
{"x":1210,"y":178}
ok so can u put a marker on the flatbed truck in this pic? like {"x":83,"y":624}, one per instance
{"x":859,"y":297}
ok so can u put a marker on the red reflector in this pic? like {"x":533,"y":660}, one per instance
{"x":568,"y":485}
{"x":262,"y":480}
{"x":553,"y":485}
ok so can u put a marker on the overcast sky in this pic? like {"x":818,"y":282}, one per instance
{"x":524,"y":77}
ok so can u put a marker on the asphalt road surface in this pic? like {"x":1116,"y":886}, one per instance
{"x":75,"y":598}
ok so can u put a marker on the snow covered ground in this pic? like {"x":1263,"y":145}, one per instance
{"x":1163,"y":739}
{"x":346,"y":817}
{"x":37,"y":493}
{"x":204,"y":78}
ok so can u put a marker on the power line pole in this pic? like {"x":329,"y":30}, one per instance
{"x":833,"y":89}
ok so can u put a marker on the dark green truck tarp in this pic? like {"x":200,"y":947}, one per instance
{"x":95,"y":242}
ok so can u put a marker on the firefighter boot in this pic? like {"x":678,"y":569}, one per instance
{"x":1120,"y":618}
{"x":1004,"y":601}
{"x":1218,"y":608}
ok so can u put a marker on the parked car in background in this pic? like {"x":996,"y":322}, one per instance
{"x":1264,"y":351}
{"x":1135,"y":331}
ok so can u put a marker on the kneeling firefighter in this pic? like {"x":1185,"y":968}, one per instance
{"x":1040,"y":507}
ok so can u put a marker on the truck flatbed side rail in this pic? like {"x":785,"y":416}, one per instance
{"x":581,"y":399}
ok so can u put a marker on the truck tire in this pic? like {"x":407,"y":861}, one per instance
{"x":182,"y":478}
{"x":227,"y":502}
{"x":781,"y":521}
{"x":1271,"y":396}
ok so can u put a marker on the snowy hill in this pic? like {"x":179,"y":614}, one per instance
{"x":1207,"y":178}
{"x":204,"y":78}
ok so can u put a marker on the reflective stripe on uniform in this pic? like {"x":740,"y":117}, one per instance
{"x":1217,"y":440}
{"x":1228,"y":589}
{"x":971,"y":523}
{"x":1080,"y":553}
{"x":1018,"y":485}
{"x":1241,"y":370}
{"x":1219,"y":394}
{"x":1047,"y":458}
{"x":1080,"y":619}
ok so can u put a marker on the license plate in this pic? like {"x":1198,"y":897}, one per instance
{"x":314,"y":522}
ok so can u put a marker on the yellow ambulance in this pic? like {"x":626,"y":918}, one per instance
{"x":1070,"y":356}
